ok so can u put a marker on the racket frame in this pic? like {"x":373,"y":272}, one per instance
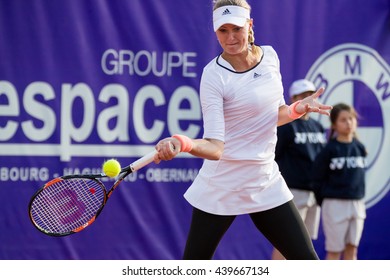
{"x":133,"y":167}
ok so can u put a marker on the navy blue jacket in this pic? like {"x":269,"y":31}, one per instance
{"x":298,"y":144}
{"x":339,"y":170}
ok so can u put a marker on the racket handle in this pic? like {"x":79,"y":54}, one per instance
{"x":141,"y":162}
{"x":145,"y":160}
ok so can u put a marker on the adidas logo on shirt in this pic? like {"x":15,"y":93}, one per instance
{"x":226,"y":12}
{"x":256,"y":75}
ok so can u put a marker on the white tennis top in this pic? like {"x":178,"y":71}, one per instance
{"x":241,"y":109}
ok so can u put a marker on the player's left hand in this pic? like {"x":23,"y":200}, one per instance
{"x":311,"y":104}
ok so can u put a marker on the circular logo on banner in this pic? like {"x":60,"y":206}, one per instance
{"x":357,"y":75}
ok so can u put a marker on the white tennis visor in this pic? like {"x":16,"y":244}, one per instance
{"x":230,"y":14}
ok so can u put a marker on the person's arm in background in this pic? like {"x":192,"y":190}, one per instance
{"x":320,"y":174}
{"x":283,"y":141}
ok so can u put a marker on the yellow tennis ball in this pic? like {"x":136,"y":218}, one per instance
{"x":111,"y":168}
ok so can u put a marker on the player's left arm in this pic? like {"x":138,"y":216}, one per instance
{"x":288,"y":113}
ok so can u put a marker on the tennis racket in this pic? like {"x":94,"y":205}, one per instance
{"x":70,"y":203}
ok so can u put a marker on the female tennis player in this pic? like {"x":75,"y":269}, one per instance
{"x":242,"y":102}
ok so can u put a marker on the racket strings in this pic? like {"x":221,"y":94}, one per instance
{"x":67,"y":205}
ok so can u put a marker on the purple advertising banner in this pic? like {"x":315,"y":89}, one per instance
{"x":85,"y":81}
